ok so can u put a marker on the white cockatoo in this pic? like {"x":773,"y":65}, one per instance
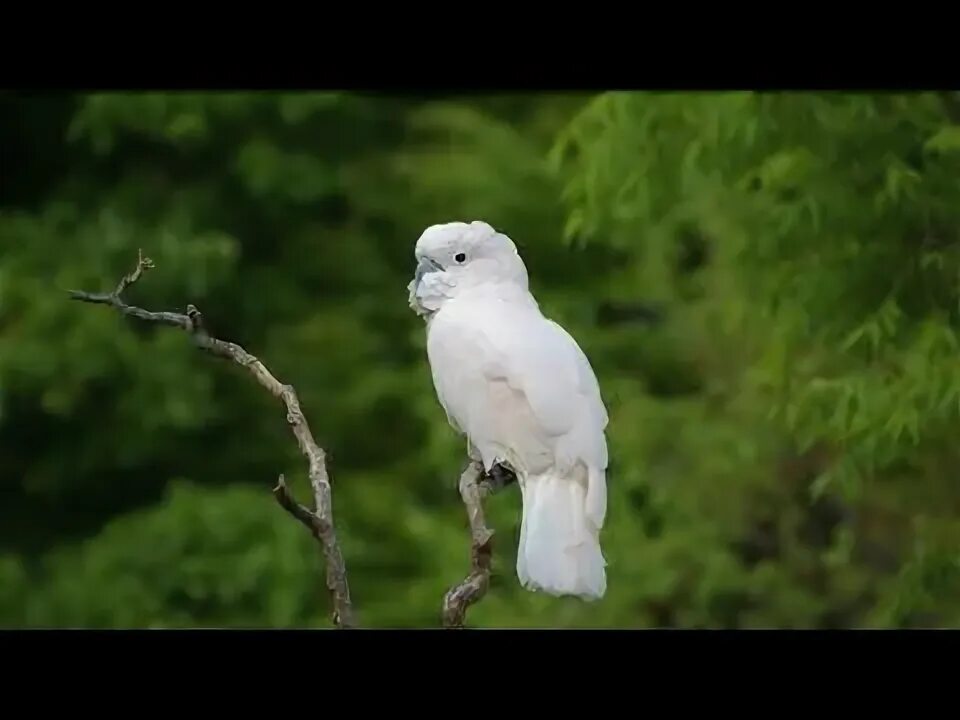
{"x":521,"y":390}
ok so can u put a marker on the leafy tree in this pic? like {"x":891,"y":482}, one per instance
{"x":781,"y":426}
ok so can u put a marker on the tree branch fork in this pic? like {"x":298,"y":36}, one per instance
{"x":475,"y":485}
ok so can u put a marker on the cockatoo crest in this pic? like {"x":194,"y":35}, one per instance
{"x":453,"y":257}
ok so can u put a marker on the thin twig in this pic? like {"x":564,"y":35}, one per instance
{"x":475,"y":486}
{"x":320,"y":520}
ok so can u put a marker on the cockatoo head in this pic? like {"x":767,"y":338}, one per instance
{"x":457,"y":256}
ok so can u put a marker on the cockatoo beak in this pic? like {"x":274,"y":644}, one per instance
{"x":426,"y":265}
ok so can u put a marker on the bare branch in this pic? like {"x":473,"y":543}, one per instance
{"x":474,"y":487}
{"x":320,"y":520}
{"x":320,"y":525}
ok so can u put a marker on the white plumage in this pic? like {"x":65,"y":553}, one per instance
{"x":520,"y":389}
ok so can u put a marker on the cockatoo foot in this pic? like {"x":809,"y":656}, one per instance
{"x":502,"y":475}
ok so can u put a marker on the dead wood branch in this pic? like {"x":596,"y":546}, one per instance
{"x":319,"y":520}
{"x":475,"y":486}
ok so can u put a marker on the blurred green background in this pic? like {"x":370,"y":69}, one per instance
{"x":766,"y":285}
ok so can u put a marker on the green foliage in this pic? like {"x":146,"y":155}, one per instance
{"x":165,"y":567}
{"x":782,"y":442}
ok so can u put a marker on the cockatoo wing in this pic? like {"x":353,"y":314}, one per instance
{"x":500,"y":363}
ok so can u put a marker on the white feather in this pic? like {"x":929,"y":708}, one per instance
{"x":523,"y":392}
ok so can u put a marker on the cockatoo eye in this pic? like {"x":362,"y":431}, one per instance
{"x":460,"y":257}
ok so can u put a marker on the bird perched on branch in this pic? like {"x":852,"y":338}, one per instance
{"x":521,"y":390}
